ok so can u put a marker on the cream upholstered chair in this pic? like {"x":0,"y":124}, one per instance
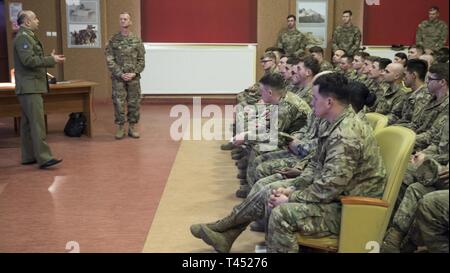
{"x":377,"y":121}
{"x":364,"y":220}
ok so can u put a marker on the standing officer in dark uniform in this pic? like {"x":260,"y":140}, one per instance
{"x":30,"y":66}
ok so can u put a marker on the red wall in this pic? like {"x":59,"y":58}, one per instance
{"x":396,"y":21}
{"x":199,"y":21}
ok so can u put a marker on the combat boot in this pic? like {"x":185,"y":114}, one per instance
{"x":243,"y":191}
{"x":227,"y":147}
{"x":392,"y":241}
{"x":221,"y":225}
{"x":120,"y":133}
{"x":132,"y":132}
{"x":221,"y":241}
{"x":242,"y":163}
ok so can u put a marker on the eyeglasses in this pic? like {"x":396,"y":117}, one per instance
{"x":429,"y":79}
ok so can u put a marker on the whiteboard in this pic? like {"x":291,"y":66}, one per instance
{"x":198,"y":69}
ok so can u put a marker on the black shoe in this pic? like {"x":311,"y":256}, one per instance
{"x":227,"y":147}
{"x":50,"y":163}
{"x":242,"y":193}
{"x":29,"y":162}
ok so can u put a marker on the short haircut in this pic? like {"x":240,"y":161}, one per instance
{"x":291,"y":16}
{"x":362,"y":54}
{"x":420,"y":49}
{"x":372,"y":58}
{"x":343,"y":50}
{"x":333,"y":85}
{"x":441,"y":70}
{"x":442,"y":55}
{"x":349,"y":58}
{"x":125,"y":12}
{"x":383,"y":62}
{"x":436,"y":8}
{"x":401,"y":55}
{"x":348,"y":11}
{"x":269,"y":55}
{"x":273,"y":80}
{"x":276,"y":49}
{"x":293,"y":60}
{"x":418,"y":66}
{"x":316,"y":49}
{"x":312,"y":64}
{"x":360,"y":95}
{"x":21,"y":16}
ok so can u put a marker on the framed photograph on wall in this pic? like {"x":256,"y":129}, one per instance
{"x":83,"y":24}
{"x":312,"y":20}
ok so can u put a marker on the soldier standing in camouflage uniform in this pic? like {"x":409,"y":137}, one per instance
{"x":352,"y":167}
{"x":291,"y":40}
{"x":347,"y":36}
{"x":31,"y":82}
{"x":317,"y":53}
{"x":432,"y":34}
{"x":125,"y":57}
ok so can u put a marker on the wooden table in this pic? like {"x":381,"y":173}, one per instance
{"x":64,"y":97}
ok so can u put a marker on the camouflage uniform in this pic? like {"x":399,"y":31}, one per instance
{"x":326,"y":66}
{"x":432,"y":221}
{"x":412,"y":104}
{"x":125,"y":54}
{"x":305,"y":93}
{"x":432,"y":34}
{"x":292,"y":116}
{"x":379,"y":89}
{"x":292,"y":41}
{"x":391,"y":101}
{"x":266,"y":164}
{"x":432,"y":115}
{"x":347,"y":38}
{"x":251,"y":95}
{"x":347,"y":162}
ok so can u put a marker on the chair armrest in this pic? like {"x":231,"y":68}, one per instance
{"x":358,"y":200}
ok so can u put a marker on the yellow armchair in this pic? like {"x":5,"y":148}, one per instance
{"x":364,"y":220}
{"x":377,"y":121}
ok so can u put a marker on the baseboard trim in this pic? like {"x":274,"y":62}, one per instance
{"x":188,"y":99}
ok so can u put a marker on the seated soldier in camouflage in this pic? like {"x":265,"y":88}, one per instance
{"x":318,"y":54}
{"x":379,"y":86}
{"x":346,"y":67}
{"x":415,"y":101}
{"x":337,"y":59}
{"x":292,"y":115}
{"x":368,"y":64}
{"x":436,"y":110}
{"x":442,"y":55}
{"x":303,"y":72}
{"x":400,"y":58}
{"x":347,"y":162}
{"x":415,"y":51}
{"x":251,"y":95}
{"x":421,"y":177}
{"x":427,"y":58}
{"x":358,"y":65}
{"x":392,"y":99}
{"x":430,"y":225}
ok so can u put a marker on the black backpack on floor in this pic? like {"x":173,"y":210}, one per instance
{"x":75,"y":125}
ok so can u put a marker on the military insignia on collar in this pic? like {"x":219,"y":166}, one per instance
{"x":25,"y":46}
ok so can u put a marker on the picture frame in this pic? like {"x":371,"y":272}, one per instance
{"x":312,"y":20}
{"x":83,"y":24}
